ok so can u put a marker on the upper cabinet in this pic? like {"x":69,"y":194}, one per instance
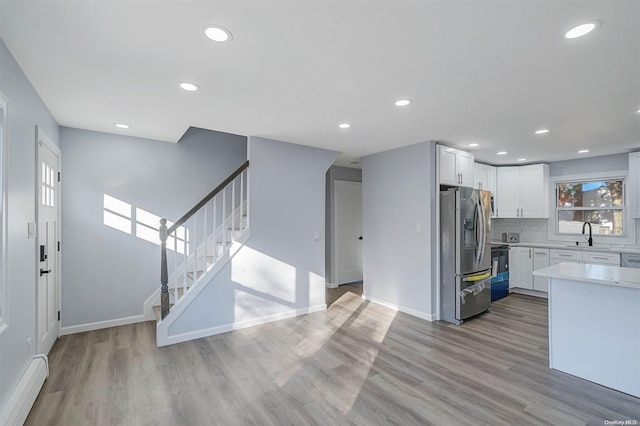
{"x":455,"y":166}
{"x":523,"y":192}
{"x":484,"y":177}
{"x":633,"y":186}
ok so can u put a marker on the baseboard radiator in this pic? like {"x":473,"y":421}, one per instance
{"x":17,"y":409}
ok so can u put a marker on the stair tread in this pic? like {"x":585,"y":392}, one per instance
{"x":190,"y":274}
{"x":180,"y":290}
{"x":157,"y":310}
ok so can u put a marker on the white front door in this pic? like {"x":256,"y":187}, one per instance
{"x":348,"y":231}
{"x":47,"y":253}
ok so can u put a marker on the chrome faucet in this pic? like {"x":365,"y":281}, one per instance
{"x":590,"y":240}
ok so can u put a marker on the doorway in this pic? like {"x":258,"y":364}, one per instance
{"x":48,"y":241}
{"x":347,"y":238}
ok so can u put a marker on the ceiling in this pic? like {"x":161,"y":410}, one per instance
{"x":486,"y":72}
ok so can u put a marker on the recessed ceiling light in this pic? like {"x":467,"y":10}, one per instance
{"x":522,"y":159}
{"x":502,"y":153}
{"x":542,"y":131}
{"x":582,"y":30}
{"x":583,"y":151}
{"x":473,"y":144}
{"x":344,"y":125}
{"x":121,"y":126}
{"x":402,"y":102}
{"x":218,"y":34}
{"x":189,"y":87}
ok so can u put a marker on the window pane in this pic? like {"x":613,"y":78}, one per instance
{"x":603,"y":222}
{"x":590,"y":194}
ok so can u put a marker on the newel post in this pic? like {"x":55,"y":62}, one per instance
{"x":164,"y":276}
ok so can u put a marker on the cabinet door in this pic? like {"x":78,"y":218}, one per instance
{"x":513,"y":267}
{"x":448,"y":166}
{"x":465,"y":168}
{"x":534,"y":187}
{"x":540,"y":260}
{"x":508,"y":192}
{"x":480,"y":176}
{"x":491,"y":181}
{"x":524,"y":264}
{"x":633,"y":185}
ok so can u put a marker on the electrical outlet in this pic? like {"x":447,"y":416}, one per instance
{"x":29,"y":345}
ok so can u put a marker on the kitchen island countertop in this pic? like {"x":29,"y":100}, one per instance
{"x":597,"y":274}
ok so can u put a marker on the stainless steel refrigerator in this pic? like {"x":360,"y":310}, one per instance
{"x":465,"y":253}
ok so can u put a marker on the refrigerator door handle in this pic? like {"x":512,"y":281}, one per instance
{"x":480,"y":223}
{"x":479,"y":277}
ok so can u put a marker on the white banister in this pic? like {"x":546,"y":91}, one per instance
{"x":185,"y":234}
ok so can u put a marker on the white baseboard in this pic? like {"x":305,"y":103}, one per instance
{"x":197,"y":334}
{"x":395,"y":307}
{"x":332,"y":285}
{"x":102,"y":324}
{"x":21,"y":400}
{"x":528,"y":292}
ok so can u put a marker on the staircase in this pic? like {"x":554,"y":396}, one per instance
{"x":196,"y":247}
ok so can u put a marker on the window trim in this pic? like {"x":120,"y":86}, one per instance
{"x":4,"y":293}
{"x":629,"y":235}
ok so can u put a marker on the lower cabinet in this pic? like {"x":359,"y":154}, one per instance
{"x":524,"y":260}
{"x":540,"y":260}
{"x":522,"y":263}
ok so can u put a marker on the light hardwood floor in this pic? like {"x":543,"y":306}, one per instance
{"x":356,"y":363}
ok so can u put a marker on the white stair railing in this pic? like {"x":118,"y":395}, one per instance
{"x":197,"y":241}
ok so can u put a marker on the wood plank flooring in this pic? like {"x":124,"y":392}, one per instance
{"x":357,"y":363}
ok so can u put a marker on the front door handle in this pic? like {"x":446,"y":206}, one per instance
{"x":42,"y":272}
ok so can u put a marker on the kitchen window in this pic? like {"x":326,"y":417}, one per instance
{"x":599,"y":201}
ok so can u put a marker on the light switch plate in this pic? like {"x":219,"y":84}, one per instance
{"x":31,"y":230}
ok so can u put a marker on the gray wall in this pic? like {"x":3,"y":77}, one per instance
{"x":107,"y":274}
{"x":334,"y":173}
{"x":281,"y":268}
{"x":606,"y":163}
{"x":26,"y":110}
{"x":397,"y":194}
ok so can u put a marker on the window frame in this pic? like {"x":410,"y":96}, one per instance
{"x":628,"y":236}
{"x":4,"y":133}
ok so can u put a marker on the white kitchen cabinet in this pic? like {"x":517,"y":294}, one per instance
{"x":508,"y":192}
{"x":484,"y":177}
{"x":540,"y":260}
{"x":522,"y":192}
{"x":524,"y":268}
{"x":633,"y":185}
{"x":455,"y":167}
{"x":601,"y":258}
{"x":513,"y":269}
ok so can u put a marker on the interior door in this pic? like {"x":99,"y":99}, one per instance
{"x":348,"y":231}
{"x":47,"y":253}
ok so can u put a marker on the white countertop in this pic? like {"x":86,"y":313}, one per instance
{"x":569,"y":246}
{"x":597,"y":274}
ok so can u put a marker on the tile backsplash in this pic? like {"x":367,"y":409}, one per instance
{"x":535,"y":230}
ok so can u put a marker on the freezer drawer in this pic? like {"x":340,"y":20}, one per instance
{"x":473,"y":296}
